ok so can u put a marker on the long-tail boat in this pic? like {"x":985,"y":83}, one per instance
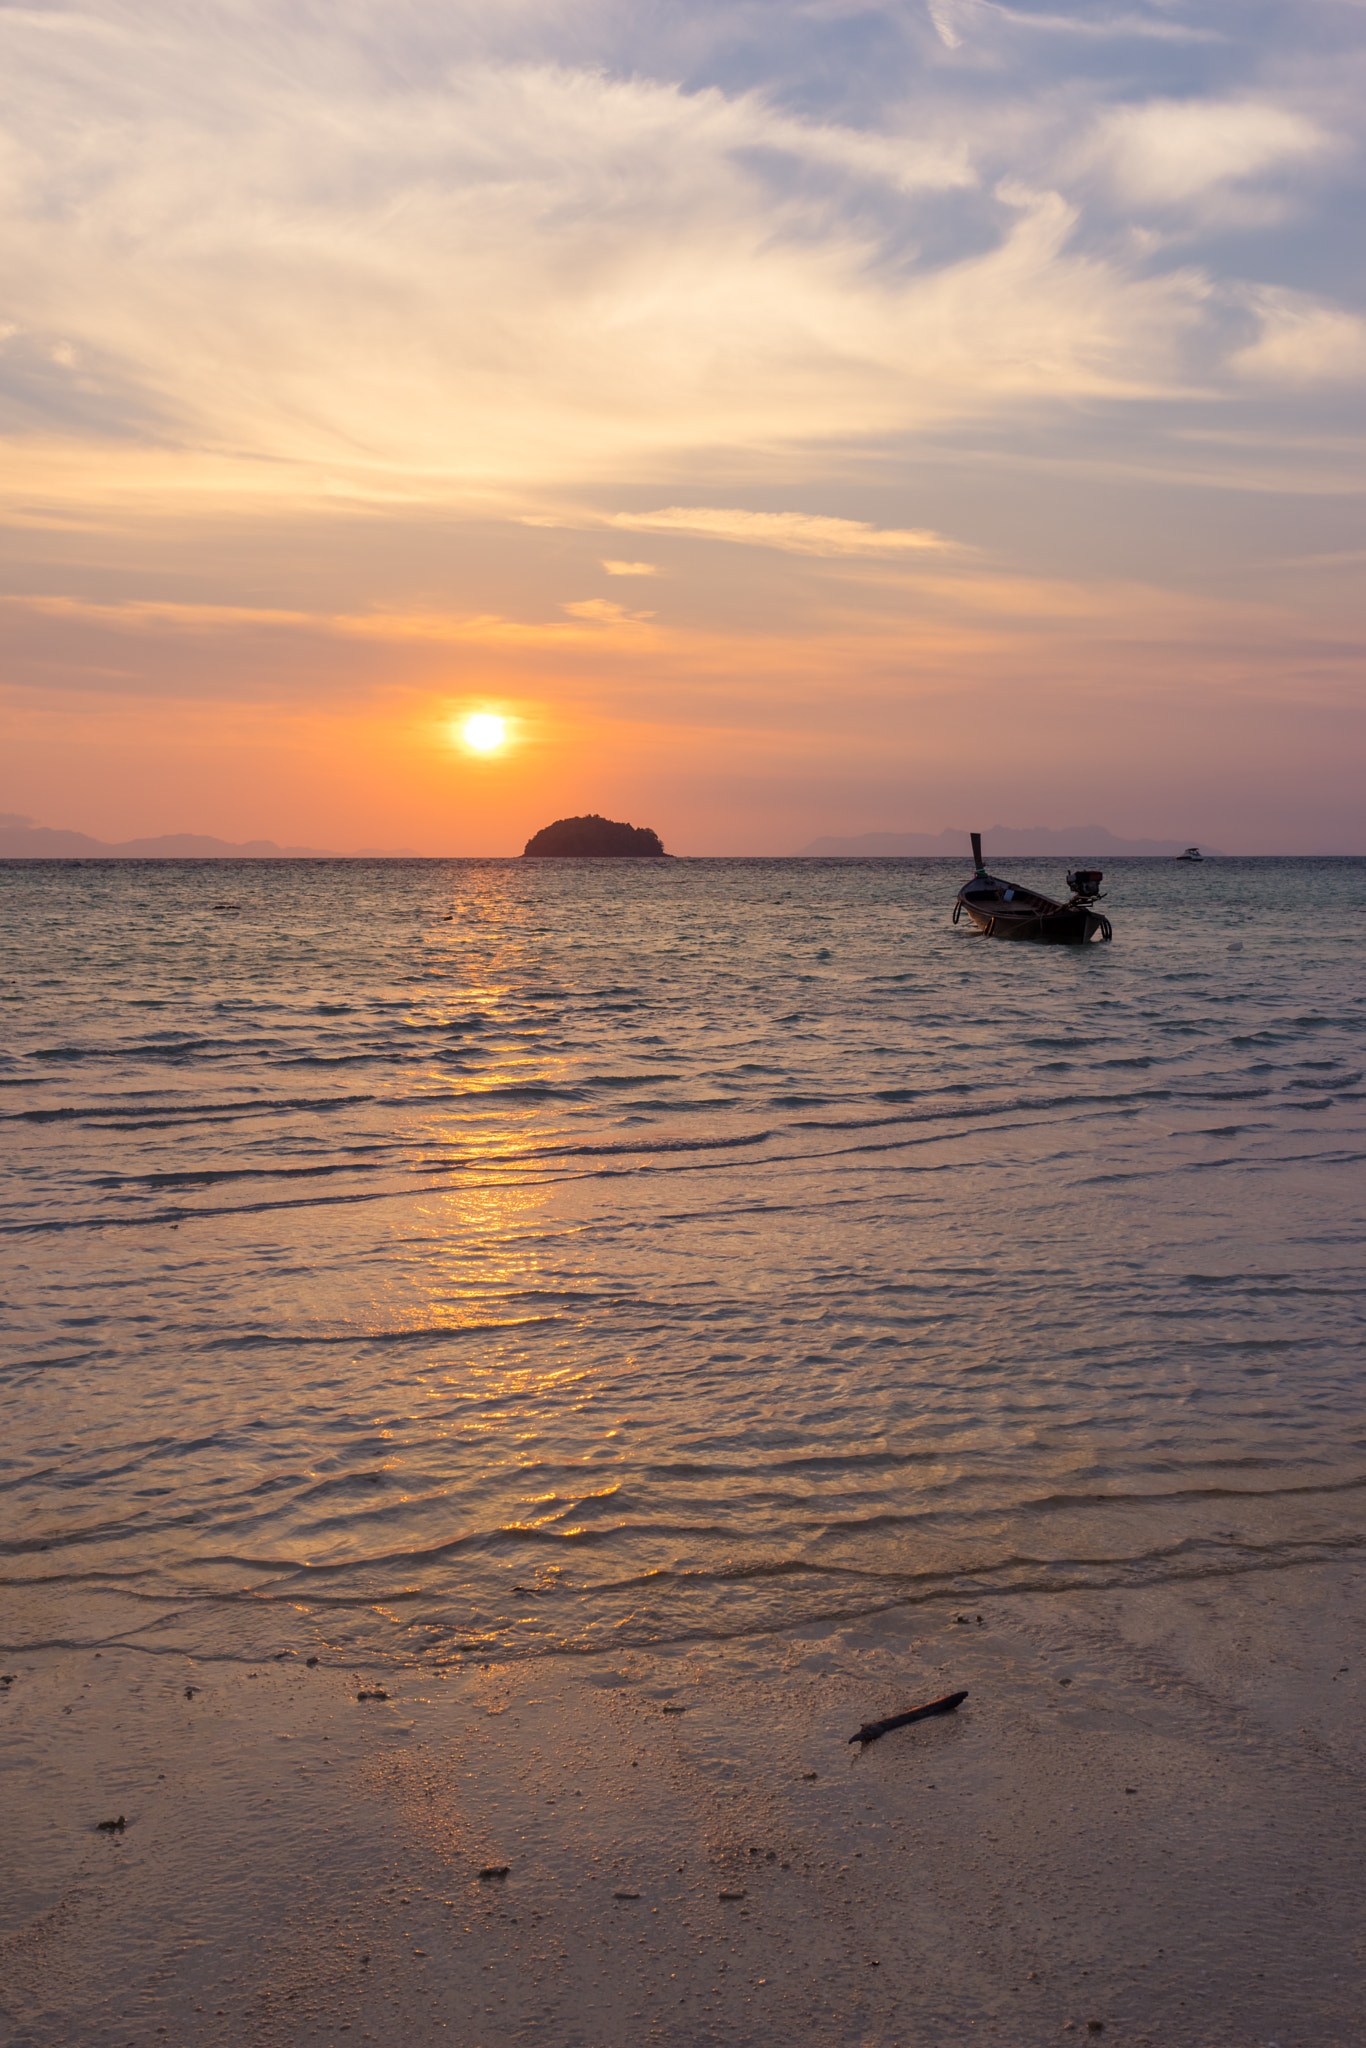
{"x":1005,"y":910}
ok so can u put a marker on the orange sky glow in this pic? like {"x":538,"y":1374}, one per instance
{"x":789,"y":420}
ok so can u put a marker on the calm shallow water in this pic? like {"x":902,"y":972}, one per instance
{"x":478,"y":1257}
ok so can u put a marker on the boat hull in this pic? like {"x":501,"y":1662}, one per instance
{"x":1003,"y":910}
{"x":1059,"y":926}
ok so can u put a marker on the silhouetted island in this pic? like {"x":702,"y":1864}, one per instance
{"x":593,"y":838}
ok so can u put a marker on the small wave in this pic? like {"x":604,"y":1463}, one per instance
{"x":159,"y":1049}
{"x":627,"y":1080}
{"x":169,"y":1113}
{"x":62,"y":1362}
{"x":647,"y":1148}
{"x":109,"y":1220}
{"x":519,"y":1091}
{"x":208,"y":1177}
{"x":361,"y":1338}
{"x":1005,"y":1105}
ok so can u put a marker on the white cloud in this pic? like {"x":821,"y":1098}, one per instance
{"x":945,"y":15}
{"x":1302,"y":341}
{"x":631,"y":568}
{"x":1170,"y":152}
{"x":284,"y":245}
{"x":511,"y":273}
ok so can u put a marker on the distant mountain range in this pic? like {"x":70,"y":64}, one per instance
{"x":21,"y":839}
{"x":1070,"y":842}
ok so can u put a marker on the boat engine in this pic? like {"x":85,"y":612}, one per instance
{"x":1085,"y":883}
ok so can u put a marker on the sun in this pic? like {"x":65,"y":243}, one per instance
{"x":484,"y":732}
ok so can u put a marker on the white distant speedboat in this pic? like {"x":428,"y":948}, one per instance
{"x":1191,"y":853}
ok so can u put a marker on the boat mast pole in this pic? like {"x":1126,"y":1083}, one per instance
{"x":976,"y":839}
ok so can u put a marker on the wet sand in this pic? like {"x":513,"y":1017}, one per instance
{"x":1142,"y":1826}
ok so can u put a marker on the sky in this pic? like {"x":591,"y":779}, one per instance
{"x":790,"y":417}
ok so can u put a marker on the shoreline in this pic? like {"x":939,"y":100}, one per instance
{"x":1142,"y":1815}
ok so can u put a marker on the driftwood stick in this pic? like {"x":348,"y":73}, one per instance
{"x":871,"y":1730}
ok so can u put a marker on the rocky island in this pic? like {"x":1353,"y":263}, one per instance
{"x":593,"y":838}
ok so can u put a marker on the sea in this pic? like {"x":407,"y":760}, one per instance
{"x":429,"y":1260}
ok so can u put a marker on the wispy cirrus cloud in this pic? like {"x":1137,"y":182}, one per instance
{"x":1302,"y":342}
{"x":955,"y":20}
{"x":163,"y":617}
{"x":601,"y":611}
{"x":239,"y":235}
{"x":1173,"y":152}
{"x":796,"y":533}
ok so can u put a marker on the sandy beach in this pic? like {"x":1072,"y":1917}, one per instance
{"x":1143,"y":1824}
